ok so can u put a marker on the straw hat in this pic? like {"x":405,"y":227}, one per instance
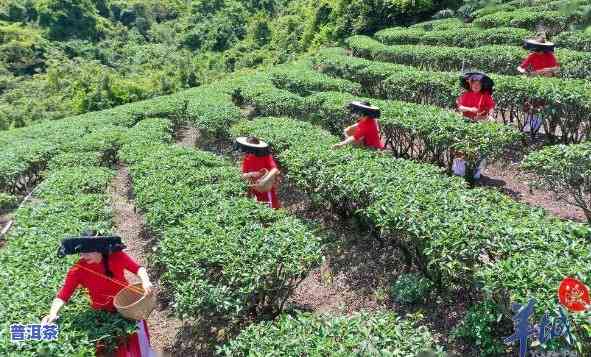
{"x":364,"y":108}
{"x":487,"y":83}
{"x":253,"y":145}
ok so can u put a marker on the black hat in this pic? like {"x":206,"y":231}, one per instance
{"x":252,"y":145}
{"x":364,"y":108}
{"x":487,"y":83}
{"x":538,"y":44}
{"x":90,"y":244}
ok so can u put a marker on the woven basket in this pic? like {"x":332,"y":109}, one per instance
{"x":133,"y":305}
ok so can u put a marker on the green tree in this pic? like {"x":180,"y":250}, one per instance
{"x":66,"y":19}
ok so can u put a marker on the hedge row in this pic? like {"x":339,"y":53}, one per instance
{"x":494,"y":58}
{"x":440,"y":24}
{"x":521,"y":5}
{"x":297,"y":78}
{"x":70,"y":199}
{"x":416,"y":131}
{"x":553,"y":21}
{"x":569,"y":101}
{"x":474,"y":238}
{"x":362,"y":334}
{"x":223,"y":253}
{"x":576,"y":40}
{"x":24,"y":152}
{"x":468,"y":37}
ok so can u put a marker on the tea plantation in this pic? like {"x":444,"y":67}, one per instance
{"x":222,"y":259}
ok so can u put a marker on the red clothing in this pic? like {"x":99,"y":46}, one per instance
{"x":369,"y":129}
{"x":101,"y":290}
{"x":481,"y":100}
{"x":536,"y":61}
{"x":254,"y":163}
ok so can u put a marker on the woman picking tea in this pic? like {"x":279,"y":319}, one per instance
{"x":100,"y":271}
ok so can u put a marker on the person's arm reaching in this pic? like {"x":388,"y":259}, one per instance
{"x":56,"y":305}
{"x":146,"y":283}
{"x":347,"y":141}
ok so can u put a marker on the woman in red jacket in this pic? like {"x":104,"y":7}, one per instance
{"x":100,"y":271}
{"x":541,"y":59}
{"x":476,"y":102}
{"x":260,"y":170}
{"x":540,"y":62}
{"x":366,"y":131}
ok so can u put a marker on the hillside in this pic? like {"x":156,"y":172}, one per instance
{"x":61,"y":58}
{"x":374,"y":252}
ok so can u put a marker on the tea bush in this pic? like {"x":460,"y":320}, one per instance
{"x":554,"y":21}
{"x":67,"y":201}
{"x":468,"y":37}
{"x":8,"y":201}
{"x":361,"y":334}
{"x":413,"y":131}
{"x":411,"y":289}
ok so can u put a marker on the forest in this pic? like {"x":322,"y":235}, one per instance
{"x":65,"y":57}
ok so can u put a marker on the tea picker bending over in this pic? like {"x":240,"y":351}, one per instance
{"x":100,"y":270}
{"x":366,"y":132}
{"x":260,"y":170}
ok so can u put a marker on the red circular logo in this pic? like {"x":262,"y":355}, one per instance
{"x":574,"y":295}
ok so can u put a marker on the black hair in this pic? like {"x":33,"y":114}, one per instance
{"x":91,"y":233}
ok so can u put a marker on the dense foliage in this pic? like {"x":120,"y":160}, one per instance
{"x":61,"y":58}
{"x":364,"y":334}
{"x":472,"y":237}
{"x":72,"y":198}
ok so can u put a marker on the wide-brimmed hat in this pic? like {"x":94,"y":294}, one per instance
{"x":538,"y":44}
{"x":364,"y":108}
{"x":260,"y":148}
{"x":487,"y":83}
{"x":89,"y":244}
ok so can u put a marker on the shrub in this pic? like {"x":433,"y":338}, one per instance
{"x":564,"y":170}
{"x":576,"y":40}
{"x":552,"y":21}
{"x":410,"y":289}
{"x":478,"y":329}
{"x":67,"y":202}
{"x":460,"y":37}
{"x":362,"y":334}
{"x":8,"y":201}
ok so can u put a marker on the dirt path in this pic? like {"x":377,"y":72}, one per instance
{"x":509,"y":179}
{"x":130,"y":226}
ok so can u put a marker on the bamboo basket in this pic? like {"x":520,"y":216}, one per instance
{"x":133,"y":304}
